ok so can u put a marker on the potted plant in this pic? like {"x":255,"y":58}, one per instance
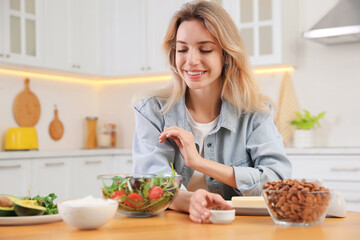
{"x":305,"y":124}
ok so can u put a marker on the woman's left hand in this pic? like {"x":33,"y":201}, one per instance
{"x":185,"y":142}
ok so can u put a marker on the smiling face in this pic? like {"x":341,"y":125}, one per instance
{"x":199,"y":58}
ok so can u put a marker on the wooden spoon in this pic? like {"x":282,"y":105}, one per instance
{"x":56,"y":128}
{"x":26,"y":107}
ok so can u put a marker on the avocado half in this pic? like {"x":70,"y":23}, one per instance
{"x":28,"y":208}
{"x":8,"y":211}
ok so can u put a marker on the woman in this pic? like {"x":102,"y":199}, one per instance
{"x":212,"y":123}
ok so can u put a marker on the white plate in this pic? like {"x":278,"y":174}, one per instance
{"x":250,"y":211}
{"x":15,"y":220}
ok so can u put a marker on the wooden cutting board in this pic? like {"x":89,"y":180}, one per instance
{"x":56,"y":128}
{"x":26,"y":107}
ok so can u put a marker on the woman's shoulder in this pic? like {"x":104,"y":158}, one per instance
{"x":150,"y":103}
{"x":259,"y":116}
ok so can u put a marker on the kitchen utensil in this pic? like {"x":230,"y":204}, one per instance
{"x":21,"y":138}
{"x":91,"y":141}
{"x":56,"y":128}
{"x":26,"y":107}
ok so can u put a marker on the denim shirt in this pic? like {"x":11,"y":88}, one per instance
{"x":250,"y":144}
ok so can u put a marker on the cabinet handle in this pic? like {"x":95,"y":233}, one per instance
{"x":142,"y":68}
{"x":352,"y":200}
{"x":54,"y":164}
{"x":92,"y":162}
{"x":1,"y":55}
{"x":148,"y":68}
{"x":129,"y":161}
{"x":340,"y":169}
{"x":78,"y":66}
{"x":7,"y":55}
{"x":11,"y":166}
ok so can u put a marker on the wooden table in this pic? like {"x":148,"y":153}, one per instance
{"x":173,"y":225}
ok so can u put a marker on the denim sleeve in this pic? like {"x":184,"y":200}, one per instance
{"x":149,"y":156}
{"x":267,"y":152}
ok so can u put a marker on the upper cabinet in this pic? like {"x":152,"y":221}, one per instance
{"x":20,"y":30}
{"x":269,"y":29}
{"x":71,"y":36}
{"x":98,"y":37}
{"x":84,"y":37}
{"x":134,"y":38}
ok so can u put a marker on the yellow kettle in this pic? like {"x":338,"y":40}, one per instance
{"x":21,"y":138}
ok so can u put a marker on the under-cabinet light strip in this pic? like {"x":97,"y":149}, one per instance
{"x":129,"y":80}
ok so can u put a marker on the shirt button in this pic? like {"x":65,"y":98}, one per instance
{"x":209,"y":144}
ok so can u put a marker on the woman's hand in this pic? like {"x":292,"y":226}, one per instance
{"x":201,"y":201}
{"x":185,"y":142}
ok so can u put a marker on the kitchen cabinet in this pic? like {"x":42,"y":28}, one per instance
{"x":15,"y":176}
{"x":123,"y":164}
{"x":84,"y":175}
{"x":68,"y":174}
{"x":84,"y":36}
{"x":339,"y":171}
{"x":51,"y":175}
{"x":72,"y":36}
{"x":21,"y":32}
{"x":56,"y":35}
{"x":104,"y":38}
{"x":269,"y":29}
{"x":137,"y":29}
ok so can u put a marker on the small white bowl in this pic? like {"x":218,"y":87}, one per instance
{"x":87,"y":216}
{"x":222,"y":216}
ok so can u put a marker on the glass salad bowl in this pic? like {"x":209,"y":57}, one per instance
{"x":140,"y":195}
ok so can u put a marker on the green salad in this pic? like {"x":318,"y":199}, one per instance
{"x":142,"y":194}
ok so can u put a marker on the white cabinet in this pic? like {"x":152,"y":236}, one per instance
{"x":84,"y":175}
{"x":21,"y":32}
{"x":106,"y":38}
{"x":338,"y":172}
{"x":15,"y":177}
{"x":269,"y":29}
{"x":72,"y":36}
{"x":137,"y":29}
{"x":84,"y":42}
{"x":51,"y":175}
{"x":68,"y":175}
{"x":56,"y":35}
{"x":123,"y":164}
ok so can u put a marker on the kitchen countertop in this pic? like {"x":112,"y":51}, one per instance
{"x":7,"y":155}
{"x":175,"y":225}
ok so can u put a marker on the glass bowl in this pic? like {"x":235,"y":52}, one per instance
{"x":297,"y":208}
{"x":140,"y":196}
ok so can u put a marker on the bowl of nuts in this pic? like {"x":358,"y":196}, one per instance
{"x":296,"y":202}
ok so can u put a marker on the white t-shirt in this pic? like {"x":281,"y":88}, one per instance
{"x":200,"y":132}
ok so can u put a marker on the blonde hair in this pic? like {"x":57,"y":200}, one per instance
{"x":239,"y":86}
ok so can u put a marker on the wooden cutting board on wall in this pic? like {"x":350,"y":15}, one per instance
{"x":26,"y":107}
{"x":56,"y":128}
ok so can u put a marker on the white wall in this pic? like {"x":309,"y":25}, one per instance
{"x":327,"y":78}
{"x":75,"y":101}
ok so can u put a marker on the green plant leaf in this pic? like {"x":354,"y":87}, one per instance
{"x":306,"y":120}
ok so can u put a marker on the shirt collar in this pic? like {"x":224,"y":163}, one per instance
{"x":177,"y":116}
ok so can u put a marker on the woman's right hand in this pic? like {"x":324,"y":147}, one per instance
{"x":201,"y":201}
